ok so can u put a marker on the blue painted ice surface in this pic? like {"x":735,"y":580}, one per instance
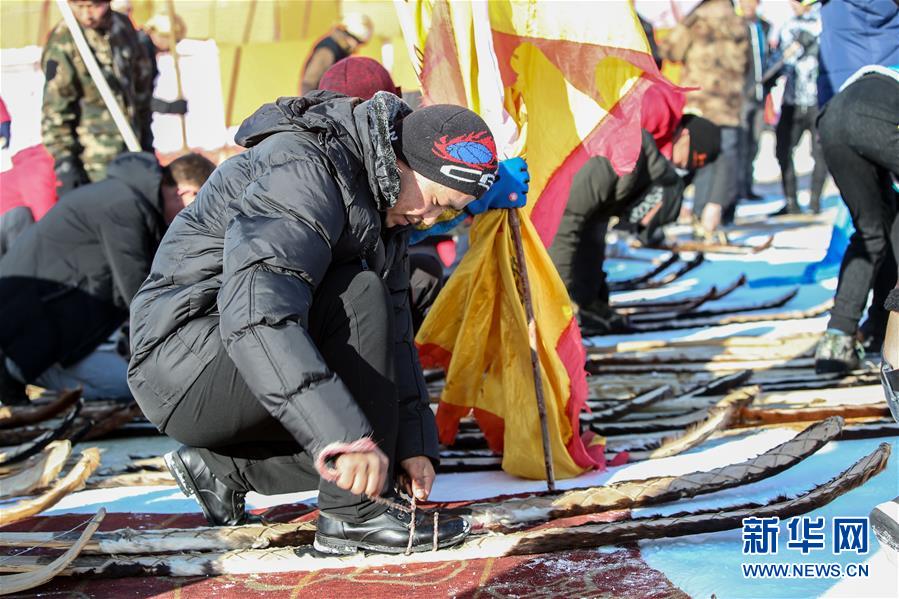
{"x":707,"y":564}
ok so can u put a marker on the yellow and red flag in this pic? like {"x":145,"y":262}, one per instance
{"x":557,"y":85}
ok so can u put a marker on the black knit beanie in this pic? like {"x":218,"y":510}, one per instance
{"x":450,"y":145}
{"x":705,"y":140}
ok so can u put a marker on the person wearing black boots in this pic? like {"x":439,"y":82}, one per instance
{"x":273,"y":337}
{"x":860,"y":141}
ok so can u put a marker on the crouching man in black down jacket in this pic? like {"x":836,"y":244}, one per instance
{"x":273,"y":336}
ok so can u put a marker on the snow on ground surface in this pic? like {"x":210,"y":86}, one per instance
{"x":701,"y":565}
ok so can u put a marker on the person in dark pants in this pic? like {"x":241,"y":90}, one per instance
{"x":797,"y":50}
{"x":644,"y":199}
{"x":67,"y":282}
{"x":860,"y":142}
{"x":752,"y":113}
{"x":794,"y":121}
{"x":712,"y":42}
{"x":273,"y":337}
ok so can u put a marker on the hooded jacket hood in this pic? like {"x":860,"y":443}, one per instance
{"x":365,"y":129}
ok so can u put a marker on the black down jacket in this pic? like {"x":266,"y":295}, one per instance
{"x":597,"y":194}
{"x":240,"y":265}
{"x":67,"y":282}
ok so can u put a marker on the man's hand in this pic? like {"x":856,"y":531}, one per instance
{"x":361,"y":473}
{"x":509,"y":190}
{"x":418,"y":477}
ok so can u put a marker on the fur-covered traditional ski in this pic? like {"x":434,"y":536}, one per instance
{"x":647,"y":323}
{"x":652,"y":425}
{"x":751,"y":416}
{"x":16,"y":583}
{"x":91,"y":424}
{"x":113,"y":420}
{"x":299,"y":559}
{"x":626,"y":407}
{"x":692,"y":369}
{"x":738,"y":315}
{"x":776,"y":302}
{"x":494,"y":516}
{"x":213,"y":538}
{"x":643,"y":345}
{"x":17,"y":454}
{"x":629,"y":494}
{"x":812,"y":380}
{"x":636,"y":282}
{"x":37,"y":471}
{"x":710,"y":353}
{"x":674,"y":275}
{"x":713,"y":293}
{"x":686,"y":305}
{"x":722,"y":248}
{"x":11,"y":417}
{"x":719,"y":418}
{"x":74,"y":480}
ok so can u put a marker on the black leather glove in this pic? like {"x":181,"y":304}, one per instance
{"x":69,"y":175}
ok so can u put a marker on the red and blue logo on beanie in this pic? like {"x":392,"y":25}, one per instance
{"x":476,"y":150}
{"x":473,"y":155}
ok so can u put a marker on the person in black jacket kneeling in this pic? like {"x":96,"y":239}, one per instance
{"x":67,"y":283}
{"x":273,"y":337}
{"x":643,"y":200}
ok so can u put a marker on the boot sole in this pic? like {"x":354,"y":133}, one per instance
{"x":332,"y":546}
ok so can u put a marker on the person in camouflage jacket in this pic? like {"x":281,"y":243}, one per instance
{"x":712,"y":42}
{"x":77,"y":128}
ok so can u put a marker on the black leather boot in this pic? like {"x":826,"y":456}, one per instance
{"x":389,"y":532}
{"x":221,"y":505}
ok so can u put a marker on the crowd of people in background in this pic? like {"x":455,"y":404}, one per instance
{"x":302,"y":241}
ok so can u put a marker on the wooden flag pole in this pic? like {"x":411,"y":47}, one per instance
{"x":99,"y":80}
{"x":532,"y":339}
{"x":235,"y":67}
{"x":173,"y":48}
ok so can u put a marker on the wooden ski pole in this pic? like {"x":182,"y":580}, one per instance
{"x":99,"y":80}
{"x":515,"y":223}
{"x":173,"y":48}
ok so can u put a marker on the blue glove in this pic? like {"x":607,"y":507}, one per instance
{"x":4,"y":133}
{"x":511,"y":177}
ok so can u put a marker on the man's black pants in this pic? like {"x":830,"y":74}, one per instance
{"x":351,"y":323}
{"x":860,"y":143}
{"x":716,"y":183}
{"x":752,"y":120}
{"x":794,"y":121}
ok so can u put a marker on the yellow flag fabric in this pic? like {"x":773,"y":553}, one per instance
{"x":557,"y":85}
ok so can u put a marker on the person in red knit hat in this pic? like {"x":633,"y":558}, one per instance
{"x":358,"y":76}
